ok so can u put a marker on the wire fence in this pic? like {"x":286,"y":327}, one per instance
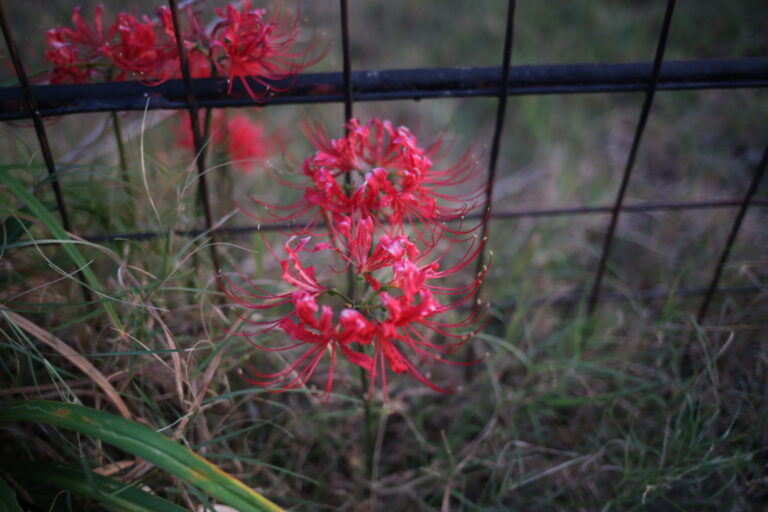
{"x":348,"y":86}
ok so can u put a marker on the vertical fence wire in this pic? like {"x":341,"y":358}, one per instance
{"x":347,"y":74}
{"x":347,"y":66}
{"x":42,"y":136}
{"x":647,"y":103}
{"x":31,"y":105}
{"x":501,"y":108}
{"x":756,"y":179}
{"x":197,"y":137}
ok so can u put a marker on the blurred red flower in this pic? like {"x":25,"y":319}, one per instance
{"x":75,"y":52}
{"x":243,"y":139}
{"x":244,"y":44}
{"x":247,"y":144}
{"x":141,"y":52}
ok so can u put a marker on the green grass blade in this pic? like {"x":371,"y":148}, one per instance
{"x":143,"y":442}
{"x":13,"y":229}
{"x":109,"y":492}
{"x":8,"y":501}
{"x":39,"y":210}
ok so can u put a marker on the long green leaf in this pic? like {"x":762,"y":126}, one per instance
{"x":49,"y":221}
{"x":13,"y":229}
{"x":143,"y":442}
{"x":8,"y":501}
{"x":109,"y":492}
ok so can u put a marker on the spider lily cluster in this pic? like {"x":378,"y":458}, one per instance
{"x":241,"y":44}
{"x":378,"y":210}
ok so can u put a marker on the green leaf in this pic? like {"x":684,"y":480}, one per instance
{"x":12,"y":229}
{"x":109,"y":492}
{"x":143,"y":442}
{"x":39,"y":210}
{"x":8,"y":501}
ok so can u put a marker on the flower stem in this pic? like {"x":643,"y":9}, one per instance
{"x":368,"y":439}
{"x":337,"y":293}
{"x":122,"y":156}
{"x":206,"y":131}
{"x":367,"y":424}
{"x":204,"y":149}
{"x":120,"y":149}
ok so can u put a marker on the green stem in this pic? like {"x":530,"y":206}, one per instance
{"x":123,"y":159}
{"x":368,"y":439}
{"x":367,"y":426}
{"x":369,"y":301}
{"x":337,"y":293}
{"x":204,"y":147}
{"x":207,"y":120}
{"x":120,"y":149}
{"x":206,"y":131}
{"x":123,"y":163}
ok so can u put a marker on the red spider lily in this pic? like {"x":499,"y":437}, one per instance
{"x":244,"y":43}
{"x":355,"y":243}
{"x":393,"y":168}
{"x":394,"y":181}
{"x":412,"y":313}
{"x":67,"y":67}
{"x":293,"y":272}
{"x":82,"y":34}
{"x":196,"y":41}
{"x":302,"y":279}
{"x":129,"y":47}
{"x":247,"y":44}
{"x":402,"y":314}
{"x":402,"y":306}
{"x":141,"y":52}
{"x":310,"y":325}
{"x":317,"y":335}
{"x":75,"y":52}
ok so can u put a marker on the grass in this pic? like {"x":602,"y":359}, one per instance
{"x":565,"y":412}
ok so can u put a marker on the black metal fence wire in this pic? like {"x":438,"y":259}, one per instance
{"x":38,"y":102}
{"x":28,"y":100}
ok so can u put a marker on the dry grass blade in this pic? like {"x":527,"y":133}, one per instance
{"x":584,"y":459}
{"x":175,"y":357}
{"x":115,"y":467}
{"x":74,"y":357}
{"x":153,"y":312}
{"x":204,"y":385}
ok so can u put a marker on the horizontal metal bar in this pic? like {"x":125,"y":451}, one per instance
{"x":630,"y":208}
{"x":553,"y":299}
{"x":513,"y":214}
{"x":562,"y":299}
{"x":56,"y":100}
